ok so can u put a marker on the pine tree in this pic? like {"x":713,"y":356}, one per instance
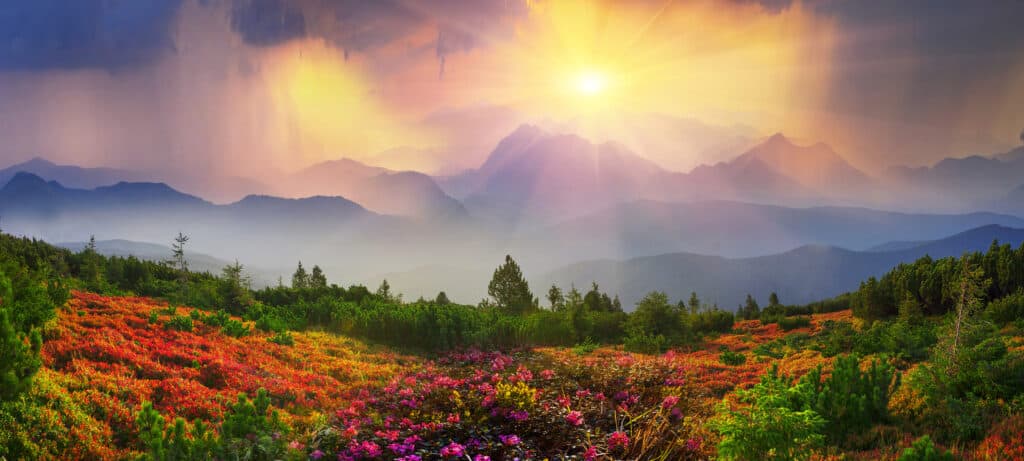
{"x":90,"y":271}
{"x":555,"y":298}
{"x":178,"y":258}
{"x":971,"y":298}
{"x":300,"y":279}
{"x":750,"y":309}
{"x":442,"y":299}
{"x":694,"y":302}
{"x":384,"y":291}
{"x":509,"y":288}
{"x":773,"y":300}
{"x":234,"y":288}
{"x":317,"y":279}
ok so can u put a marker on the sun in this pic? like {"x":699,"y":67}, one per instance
{"x":591,"y":82}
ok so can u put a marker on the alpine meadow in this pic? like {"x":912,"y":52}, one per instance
{"x":511,"y":230}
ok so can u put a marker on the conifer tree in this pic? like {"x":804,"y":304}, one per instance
{"x":509,"y":288}
{"x":384,"y":290}
{"x":317,"y":279}
{"x":180,"y":263}
{"x":300,"y":279}
{"x":555,"y":298}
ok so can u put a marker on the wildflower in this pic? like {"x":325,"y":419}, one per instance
{"x":694,"y":444}
{"x":590,"y":454}
{"x":509,"y":440}
{"x":669,"y":402}
{"x":575,"y":418}
{"x":316,"y":454}
{"x":519,"y":415}
{"x":547,"y":374}
{"x":295,"y":445}
{"x":453,"y":450}
{"x":618,"y":440}
{"x":563,"y":401}
{"x":481,"y":458}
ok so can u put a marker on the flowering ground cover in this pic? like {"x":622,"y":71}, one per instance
{"x":346,"y":400}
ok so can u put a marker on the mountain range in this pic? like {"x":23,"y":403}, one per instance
{"x":802,"y":275}
{"x":535,"y":176}
{"x":549,"y":199}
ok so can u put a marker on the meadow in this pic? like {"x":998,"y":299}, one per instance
{"x":130,"y":377}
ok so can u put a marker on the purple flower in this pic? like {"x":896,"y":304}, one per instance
{"x":669,"y":402}
{"x":316,"y":454}
{"x":453,"y":450}
{"x":509,"y":440}
{"x":518,"y":415}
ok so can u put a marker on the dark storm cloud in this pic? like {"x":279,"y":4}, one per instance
{"x":267,"y":22}
{"x":358,"y":25}
{"x":59,"y":34}
{"x":938,"y":50}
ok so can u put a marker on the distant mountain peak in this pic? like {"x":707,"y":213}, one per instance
{"x":24,"y":181}
{"x":36,"y":162}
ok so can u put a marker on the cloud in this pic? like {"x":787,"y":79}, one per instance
{"x":358,"y":26}
{"x":57,"y":34}
{"x":267,"y":22}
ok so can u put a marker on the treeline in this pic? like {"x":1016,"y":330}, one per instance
{"x":510,"y":317}
{"x":937,"y":286}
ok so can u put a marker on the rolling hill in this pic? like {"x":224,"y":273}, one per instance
{"x":802,"y":275}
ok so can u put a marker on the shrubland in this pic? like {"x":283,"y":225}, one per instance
{"x":118,"y":358}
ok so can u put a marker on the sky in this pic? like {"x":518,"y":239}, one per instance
{"x":259,"y":87}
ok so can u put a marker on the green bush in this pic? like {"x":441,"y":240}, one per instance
{"x":283,"y":338}
{"x":175,"y":442}
{"x":924,"y":449}
{"x":835,"y":338}
{"x":775,"y":349}
{"x":217,"y":319}
{"x":732,"y":358}
{"x":179,"y":323}
{"x":587,"y":346}
{"x":711,"y":321}
{"x":645,"y":343}
{"x":851,"y":400}
{"x":235,"y":329}
{"x":252,"y":430}
{"x":270,"y":323}
{"x":1006,"y":309}
{"x":154,"y":317}
{"x":792,"y":323}
{"x":905,"y":340}
{"x":772,"y":423}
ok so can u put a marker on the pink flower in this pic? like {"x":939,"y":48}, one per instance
{"x":669,"y":402}
{"x":547,"y":374}
{"x":563,"y":401}
{"x":694,"y":444}
{"x":453,"y":450}
{"x":481,"y":458}
{"x":509,"y":440}
{"x":575,"y":418}
{"x":295,"y":445}
{"x":317,"y":454}
{"x":618,"y":440}
{"x":590,"y":454}
{"x":518,"y":415}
